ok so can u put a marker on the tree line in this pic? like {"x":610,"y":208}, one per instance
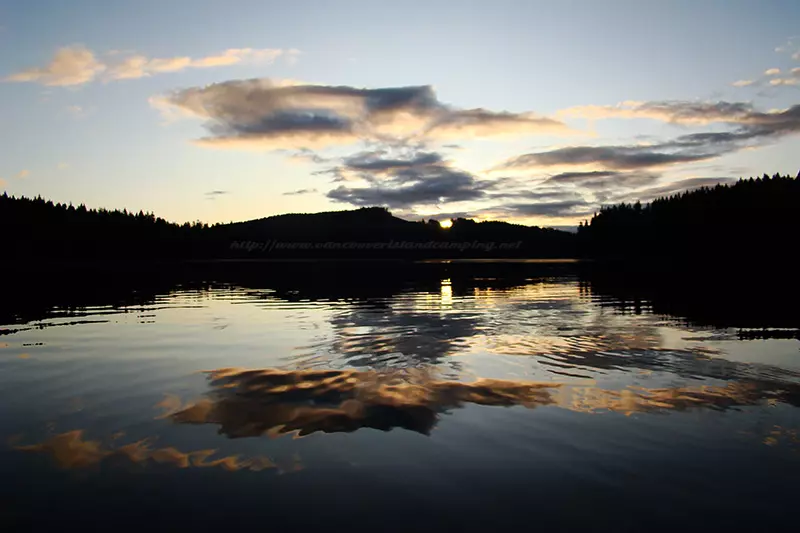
{"x":38,"y":229}
{"x":756,"y":218}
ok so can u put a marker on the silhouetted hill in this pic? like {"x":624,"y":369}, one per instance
{"x":359,"y":224}
{"x":48,"y":231}
{"x":375,"y":232}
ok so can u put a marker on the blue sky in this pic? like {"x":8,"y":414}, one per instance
{"x":532,"y":111}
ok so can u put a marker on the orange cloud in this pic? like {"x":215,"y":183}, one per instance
{"x":139,"y":66}
{"x":679,"y":112}
{"x":77,"y":65}
{"x":269,"y":114}
{"x":71,"y":65}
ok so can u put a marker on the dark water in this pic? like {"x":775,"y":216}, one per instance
{"x":398,"y":400}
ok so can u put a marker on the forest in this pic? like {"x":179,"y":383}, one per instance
{"x":41,"y":230}
{"x":754,"y":217}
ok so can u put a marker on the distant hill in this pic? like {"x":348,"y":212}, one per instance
{"x":47,"y":231}
{"x":375,"y":232}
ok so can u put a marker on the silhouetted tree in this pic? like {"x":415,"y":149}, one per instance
{"x":753,"y":217}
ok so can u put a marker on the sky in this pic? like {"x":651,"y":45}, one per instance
{"x":536,"y":112}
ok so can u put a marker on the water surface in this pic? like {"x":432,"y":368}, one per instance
{"x":453,"y":401}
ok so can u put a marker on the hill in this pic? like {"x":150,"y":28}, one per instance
{"x":47,"y":231}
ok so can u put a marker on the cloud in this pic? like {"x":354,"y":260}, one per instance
{"x":233,"y":56}
{"x":610,"y":157}
{"x":72,"y":65}
{"x":591,"y":191}
{"x":282,"y":130}
{"x":23,"y":174}
{"x":376,"y":162}
{"x":784,"y":81}
{"x":674,"y":111}
{"x":308,"y":156}
{"x":299,"y":192}
{"x":268,"y":114}
{"x":792,"y":45}
{"x":749,"y":126}
{"x":482,"y":123}
{"x":580,"y":177}
{"x":552,"y":209}
{"x":598,"y":180}
{"x":77,"y":65}
{"x":403,"y":177}
{"x":412,"y":179}
{"x":411,"y":187}
{"x":139,"y":66}
{"x":213,"y":195}
{"x":541,"y":194}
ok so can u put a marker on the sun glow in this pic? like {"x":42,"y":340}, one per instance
{"x":446,"y":224}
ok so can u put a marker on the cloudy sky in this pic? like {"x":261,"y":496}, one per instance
{"x":530,"y":111}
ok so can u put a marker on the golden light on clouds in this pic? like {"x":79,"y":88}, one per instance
{"x":249,"y":403}
{"x":71,"y":450}
{"x":77,"y":65}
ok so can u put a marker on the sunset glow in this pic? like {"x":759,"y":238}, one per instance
{"x":266,"y":117}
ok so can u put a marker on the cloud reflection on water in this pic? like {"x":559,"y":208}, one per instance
{"x":249,"y":403}
{"x":71,"y":450}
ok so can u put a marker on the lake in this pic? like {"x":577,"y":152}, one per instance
{"x":425,"y":397}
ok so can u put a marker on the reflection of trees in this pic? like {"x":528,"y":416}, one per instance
{"x":69,"y":290}
{"x":595,"y":332}
{"x":751,"y":298}
{"x":249,"y":403}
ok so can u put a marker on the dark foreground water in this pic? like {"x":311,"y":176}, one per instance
{"x":540,"y":398}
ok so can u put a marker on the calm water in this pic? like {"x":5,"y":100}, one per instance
{"x":454,"y":401}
